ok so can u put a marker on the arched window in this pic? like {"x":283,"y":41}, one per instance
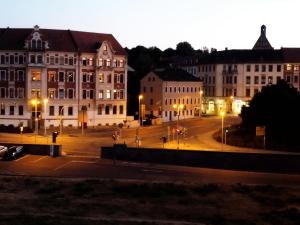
{"x":39,"y":44}
{"x":33,"y":44}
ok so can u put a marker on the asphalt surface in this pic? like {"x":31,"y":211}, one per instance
{"x":86,"y":167}
{"x":81,"y":156}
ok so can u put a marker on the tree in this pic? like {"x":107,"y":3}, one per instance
{"x":185,"y":49}
{"x":277,"y":107}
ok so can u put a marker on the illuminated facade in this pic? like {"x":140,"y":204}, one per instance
{"x":232,"y":77}
{"x":165,"y":90}
{"x":82,"y":75}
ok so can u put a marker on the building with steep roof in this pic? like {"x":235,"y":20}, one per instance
{"x":162,"y":89}
{"x":232,"y":77}
{"x":262,"y":42}
{"x":82,"y":74}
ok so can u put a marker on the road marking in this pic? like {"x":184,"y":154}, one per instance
{"x":155,"y":171}
{"x":83,"y":162}
{"x":21,"y":158}
{"x":35,"y":161}
{"x":63,"y":165}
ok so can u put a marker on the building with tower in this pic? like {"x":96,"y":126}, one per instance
{"x":232,"y":77}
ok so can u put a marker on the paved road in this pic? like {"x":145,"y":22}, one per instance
{"x":199,"y":136}
{"x":85,"y":167}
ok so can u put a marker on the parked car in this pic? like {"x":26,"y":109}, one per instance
{"x":13,"y":152}
{"x":3,"y":150}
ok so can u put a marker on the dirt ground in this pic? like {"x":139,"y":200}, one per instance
{"x":30,"y":200}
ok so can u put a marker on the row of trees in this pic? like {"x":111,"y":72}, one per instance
{"x":143,"y":60}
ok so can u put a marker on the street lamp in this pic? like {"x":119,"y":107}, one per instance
{"x":178,"y":107}
{"x":35,"y":102}
{"x":139,"y":114}
{"x":222,"y":114}
{"x":231,"y":101}
{"x":61,"y":118}
{"x":200,"y":105}
{"x":45,"y":100}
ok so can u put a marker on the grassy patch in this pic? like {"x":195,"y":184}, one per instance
{"x":60,"y":201}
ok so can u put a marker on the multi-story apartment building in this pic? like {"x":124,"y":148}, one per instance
{"x":164,"y":89}
{"x":75,"y":78}
{"x":232,"y":77}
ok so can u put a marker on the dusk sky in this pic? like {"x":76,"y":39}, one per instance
{"x":163,"y":23}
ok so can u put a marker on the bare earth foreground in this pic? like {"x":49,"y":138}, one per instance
{"x":33,"y":200}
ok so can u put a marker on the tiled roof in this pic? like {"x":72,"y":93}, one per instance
{"x":237,"y":56}
{"x":175,"y":75}
{"x":291,"y":55}
{"x":59,"y":40}
{"x":246,"y":56}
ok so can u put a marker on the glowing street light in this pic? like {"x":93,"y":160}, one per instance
{"x":178,"y":107}
{"x":140,"y":114}
{"x":35,"y":102}
{"x":200,"y":105}
{"x":222,"y":114}
{"x":45,"y":100}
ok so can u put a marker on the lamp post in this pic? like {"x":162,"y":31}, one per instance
{"x":222,"y":114}
{"x":231,"y":101}
{"x":35,"y":102}
{"x":139,"y":114}
{"x":61,"y":118}
{"x":200,"y":105}
{"x":178,"y":107}
{"x":45,"y":100}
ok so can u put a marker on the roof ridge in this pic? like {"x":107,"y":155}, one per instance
{"x":73,"y":39}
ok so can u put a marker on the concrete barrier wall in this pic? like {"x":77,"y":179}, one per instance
{"x":36,"y":149}
{"x":282,"y":163}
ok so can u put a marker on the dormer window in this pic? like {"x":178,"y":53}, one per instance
{"x":105,"y":48}
{"x":36,"y":44}
{"x":33,"y":44}
{"x":39,"y":44}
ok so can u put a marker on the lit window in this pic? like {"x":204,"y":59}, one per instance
{"x":51,"y":93}
{"x":51,"y":76}
{"x":100,"y":62}
{"x":108,"y":94}
{"x":108,"y":62}
{"x":101,"y":78}
{"x":100,"y":94}
{"x":35,"y":75}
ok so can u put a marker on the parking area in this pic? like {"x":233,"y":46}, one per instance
{"x":44,"y":165}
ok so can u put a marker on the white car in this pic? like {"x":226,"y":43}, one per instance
{"x":3,"y":149}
